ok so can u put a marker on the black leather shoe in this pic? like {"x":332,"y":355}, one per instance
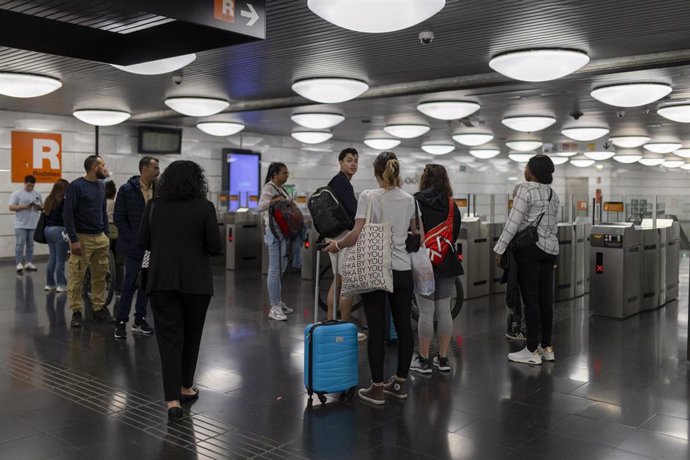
{"x":175,"y":413}
{"x":190,"y":398}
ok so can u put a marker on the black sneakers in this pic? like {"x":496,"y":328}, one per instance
{"x":103,"y":316}
{"x":141,"y":326}
{"x":121,"y":330}
{"x":76,"y":319}
{"x":442,"y":363}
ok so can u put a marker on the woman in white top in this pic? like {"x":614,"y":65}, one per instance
{"x":389,"y":204}
{"x":533,"y":199}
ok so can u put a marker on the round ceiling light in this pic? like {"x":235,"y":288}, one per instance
{"x":472,"y":139}
{"x":220,"y":128}
{"x":448,"y":110}
{"x":652,"y":159}
{"x":662,"y":147}
{"x":27,"y":85}
{"x":685,"y":166}
{"x":311,"y":137}
{"x":438,"y":148}
{"x":197,"y":106}
{"x":406,"y":131}
{"x":329,"y":90}
{"x":524,"y":146}
{"x":673,"y":162}
{"x":528,"y":124}
{"x":581,"y":161}
{"x":567,"y":153}
{"x":683,"y":153}
{"x":599,"y":155}
{"x":679,"y":113}
{"x":558,"y":160}
{"x":520,"y":157}
{"x":630,"y":142}
{"x":584,"y":134}
{"x":631,"y":94}
{"x":539,"y":64}
{"x":317,"y":120}
{"x":375,"y":16}
{"x":627,"y":157}
{"x":484,"y":154}
{"x":382,"y":143}
{"x":99,"y":117}
{"x":159,"y":66}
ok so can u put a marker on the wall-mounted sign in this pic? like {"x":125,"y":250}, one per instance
{"x":36,"y":154}
{"x":461,"y":202}
{"x":613,"y":206}
{"x":582,"y":205}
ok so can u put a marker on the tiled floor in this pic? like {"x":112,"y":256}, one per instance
{"x":618,"y":390}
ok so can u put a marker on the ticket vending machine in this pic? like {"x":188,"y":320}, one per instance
{"x":473,"y":247}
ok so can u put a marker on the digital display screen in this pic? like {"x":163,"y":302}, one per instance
{"x":244,"y":186}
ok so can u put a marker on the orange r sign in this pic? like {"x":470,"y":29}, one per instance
{"x":224,"y":10}
{"x":36,"y":154}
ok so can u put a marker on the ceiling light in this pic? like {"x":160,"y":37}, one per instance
{"x":581,"y":161}
{"x":406,"y":131}
{"x":584,"y":134}
{"x":27,"y":85}
{"x":220,"y":128}
{"x":448,"y":110}
{"x":381,"y":143}
{"x":472,"y":139}
{"x":524,"y":146}
{"x":652,"y":159}
{"x":630,"y":142}
{"x":317,"y":120}
{"x":520,"y":157}
{"x":599,"y":155}
{"x":631,"y":94}
{"x":375,"y":16}
{"x":558,"y":160}
{"x":662,"y":147}
{"x":528,"y":124}
{"x":568,"y":153}
{"x":101,"y":117}
{"x":159,"y":66}
{"x":438,"y":148}
{"x":539,"y":64}
{"x":329,"y":90}
{"x":196,"y":106}
{"x":685,"y":166}
{"x":684,"y":153}
{"x":627,"y":157}
{"x":673,"y":162}
{"x":312,"y":137}
{"x":484,"y":154}
{"x":679,"y":113}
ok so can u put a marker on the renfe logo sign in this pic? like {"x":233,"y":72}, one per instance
{"x":38,"y":154}
{"x":224,"y":10}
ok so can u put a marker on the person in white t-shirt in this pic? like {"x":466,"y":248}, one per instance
{"x":393,"y":205}
{"x":26,"y":204}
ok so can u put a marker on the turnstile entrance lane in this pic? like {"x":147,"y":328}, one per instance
{"x":495,"y":273}
{"x":473,"y":246}
{"x":565,"y":262}
{"x":243,"y":240}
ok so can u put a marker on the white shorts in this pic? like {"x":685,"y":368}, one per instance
{"x":340,"y":256}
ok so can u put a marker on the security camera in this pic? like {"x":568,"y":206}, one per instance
{"x":576,"y":115}
{"x":426,"y":37}
{"x":620,"y":113}
{"x":645,"y":111}
{"x":607,"y":145}
{"x":177,"y":79}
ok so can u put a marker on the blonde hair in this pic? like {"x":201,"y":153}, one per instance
{"x":387,"y":167}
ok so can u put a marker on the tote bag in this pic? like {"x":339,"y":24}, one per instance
{"x":39,"y":232}
{"x":368,"y":265}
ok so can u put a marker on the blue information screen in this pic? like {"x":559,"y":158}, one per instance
{"x":243,"y":184}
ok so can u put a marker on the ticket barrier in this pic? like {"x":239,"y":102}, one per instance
{"x":650,"y":271}
{"x":582,"y":229}
{"x":565,"y":262}
{"x":309,"y":254}
{"x":243,"y":240}
{"x":672,"y":261}
{"x":495,"y":273}
{"x":473,"y":248}
{"x":666,"y":261}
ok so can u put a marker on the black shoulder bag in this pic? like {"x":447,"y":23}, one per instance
{"x":529,"y":236}
{"x":142,"y":276}
{"x":414,"y":240}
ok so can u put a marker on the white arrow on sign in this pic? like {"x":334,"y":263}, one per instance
{"x":251,"y":14}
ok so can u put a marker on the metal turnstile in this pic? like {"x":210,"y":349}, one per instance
{"x":495,"y":273}
{"x":581,"y":253}
{"x":243,"y":241}
{"x":672,"y":261}
{"x":649,"y":270}
{"x":565,"y":262}
{"x":614,"y":270}
{"x":309,"y":254}
{"x":473,"y":246}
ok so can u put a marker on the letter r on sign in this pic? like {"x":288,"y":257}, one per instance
{"x":46,"y":149}
{"x":224,"y":10}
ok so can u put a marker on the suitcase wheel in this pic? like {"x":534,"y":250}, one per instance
{"x":322,"y":398}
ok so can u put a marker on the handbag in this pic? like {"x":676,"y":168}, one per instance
{"x":530,"y":235}
{"x":368,"y":265}
{"x":40,"y":231}
{"x":142,"y":276}
{"x":422,"y":272}
{"x":414,"y":240}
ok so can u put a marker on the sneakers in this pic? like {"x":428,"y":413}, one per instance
{"x":396,"y":388}
{"x":276,"y":313}
{"x":547,"y":353}
{"x":121,"y":330}
{"x":420,"y":364}
{"x":103,"y":316}
{"x":515,"y":335}
{"x":361,"y":337}
{"x":20,"y":268}
{"x":287,"y":310}
{"x":61,"y":289}
{"x":373,"y":394}
{"x":29,"y":266}
{"x":76,"y":319}
{"x":525,"y":356}
{"x":48,"y":287}
{"x":142,"y":326}
{"x":442,"y":363}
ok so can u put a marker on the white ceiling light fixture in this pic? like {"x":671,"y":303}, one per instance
{"x":311,"y":137}
{"x":220,"y":128}
{"x":627,"y":156}
{"x":382,"y":143}
{"x":652,"y":159}
{"x":568,"y":153}
{"x":330,"y":90}
{"x":438,"y":148}
{"x":406,"y":131}
{"x":472,"y":139}
{"x":584,"y":134}
{"x":631,"y":94}
{"x":484,"y":154}
{"x":317,"y":120}
{"x":599,"y":155}
{"x":678,"y":112}
{"x":630,"y":142}
{"x":99,"y":117}
{"x":375,"y":16}
{"x":448,"y":110}
{"x":159,"y":66}
{"x":539,"y":64}
{"x":685,"y":166}
{"x":558,"y":160}
{"x":683,"y":153}
{"x":672,"y":162}
{"x":581,"y":161}
{"x":662,"y":147}
{"x":520,"y":157}
{"x":528,"y":124}
{"x":524,"y":146}
{"x":197,"y":106}
{"x":27,"y":85}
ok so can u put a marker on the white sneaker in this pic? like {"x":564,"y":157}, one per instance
{"x":61,"y":289}
{"x":525,"y":356}
{"x":361,"y":337}
{"x":277,"y":314}
{"x":20,"y":268}
{"x":285,"y":308}
{"x":547,"y":353}
{"x":49,"y":288}
{"x":30,"y":266}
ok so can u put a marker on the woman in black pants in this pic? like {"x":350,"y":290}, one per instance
{"x":535,"y":204}
{"x":180,"y":229}
{"x":389,"y":204}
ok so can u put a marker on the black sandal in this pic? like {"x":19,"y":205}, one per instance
{"x":190,"y":398}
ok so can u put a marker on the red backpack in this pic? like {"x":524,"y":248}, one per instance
{"x":439,"y":240}
{"x":286,"y":216}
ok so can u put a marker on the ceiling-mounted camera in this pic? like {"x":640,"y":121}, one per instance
{"x":426,"y":37}
{"x":576,"y":115}
{"x":177,"y":79}
{"x":620,"y":113}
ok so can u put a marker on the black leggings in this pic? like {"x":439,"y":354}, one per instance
{"x":374,"y":307}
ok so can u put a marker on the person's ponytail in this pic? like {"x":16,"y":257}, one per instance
{"x":387,"y":167}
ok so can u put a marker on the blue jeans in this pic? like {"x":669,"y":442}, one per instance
{"x":132,"y":266}
{"x":25,"y":237}
{"x":277,"y":263}
{"x":58,"y":255}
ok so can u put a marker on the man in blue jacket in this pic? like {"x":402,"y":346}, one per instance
{"x":129,"y":207}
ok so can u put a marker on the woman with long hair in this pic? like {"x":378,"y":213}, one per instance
{"x":392,"y":205}
{"x":180,"y":229}
{"x":54,"y":229}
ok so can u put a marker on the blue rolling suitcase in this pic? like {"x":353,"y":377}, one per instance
{"x":330,"y":354}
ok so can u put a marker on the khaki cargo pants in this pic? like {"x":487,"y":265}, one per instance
{"x":94,"y":254}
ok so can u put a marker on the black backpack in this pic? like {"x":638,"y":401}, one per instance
{"x":329,"y":217}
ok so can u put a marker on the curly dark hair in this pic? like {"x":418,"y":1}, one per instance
{"x":183,"y":180}
{"x":436,"y":176}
